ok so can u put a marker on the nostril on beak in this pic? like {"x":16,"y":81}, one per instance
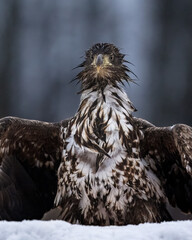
{"x":99,"y":60}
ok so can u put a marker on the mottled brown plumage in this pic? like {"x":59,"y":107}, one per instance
{"x":111,"y":173}
{"x":105,"y":166}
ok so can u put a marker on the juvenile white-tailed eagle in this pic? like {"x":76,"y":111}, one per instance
{"x":104,"y":166}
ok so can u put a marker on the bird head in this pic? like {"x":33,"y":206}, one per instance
{"x":103,"y":65}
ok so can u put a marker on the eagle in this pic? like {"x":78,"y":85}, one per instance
{"x":101,"y":167}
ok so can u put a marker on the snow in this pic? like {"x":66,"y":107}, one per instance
{"x":60,"y":230}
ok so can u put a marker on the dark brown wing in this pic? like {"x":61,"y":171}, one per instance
{"x":142,"y":124}
{"x":19,"y":195}
{"x":30,"y":153}
{"x":169,"y":152}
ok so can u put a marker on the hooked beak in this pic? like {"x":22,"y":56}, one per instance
{"x":99,"y":60}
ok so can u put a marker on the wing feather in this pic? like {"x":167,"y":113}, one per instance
{"x":170,"y":148}
{"x":19,"y":196}
{"x":30,"y":153}
{"x":183,"y":141}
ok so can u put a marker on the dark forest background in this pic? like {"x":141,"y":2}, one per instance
{"x":41,"y":41}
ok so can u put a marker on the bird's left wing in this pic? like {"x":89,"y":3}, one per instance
{"x":169,"y":153}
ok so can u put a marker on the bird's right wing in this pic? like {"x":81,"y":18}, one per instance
{"x":19,"y":195}
{"x":30,"y":153}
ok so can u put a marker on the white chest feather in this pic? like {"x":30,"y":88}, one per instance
{"x":101,"y":157}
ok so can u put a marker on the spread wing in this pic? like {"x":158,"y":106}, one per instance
{"x":169,"y":152}
{"x":19,"y":195}
{"x":30,"y":153}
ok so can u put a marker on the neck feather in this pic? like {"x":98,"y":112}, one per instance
{"x":102,"y":122}
{"x":110,"y":97}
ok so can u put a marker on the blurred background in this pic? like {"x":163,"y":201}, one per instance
{"x":42,"y":41}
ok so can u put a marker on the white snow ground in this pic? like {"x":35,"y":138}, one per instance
{"x":60,"y":230}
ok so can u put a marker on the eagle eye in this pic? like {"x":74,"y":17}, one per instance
{"x":111,"y":57}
